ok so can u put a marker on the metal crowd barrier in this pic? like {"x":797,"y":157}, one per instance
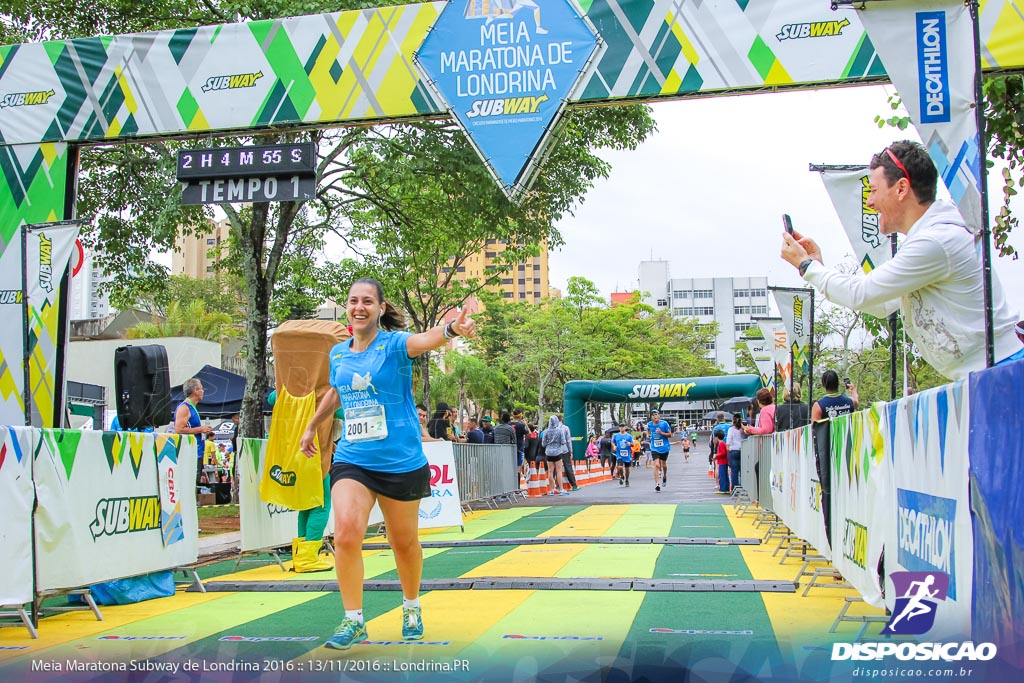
{"x":757,"y":452}
{"x":486,"y":471}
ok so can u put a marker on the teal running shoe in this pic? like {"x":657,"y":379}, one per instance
{"x":348,"y":633}
{"x":412,"y":623}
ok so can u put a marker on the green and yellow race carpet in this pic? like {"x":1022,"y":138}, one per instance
{"x":518,"y":634}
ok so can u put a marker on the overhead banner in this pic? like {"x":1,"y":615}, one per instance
{"x":927,"y":443}
{"x":928,"y":50}
{"x":797,"y":496}
{"x":863,"y":503}
{"x":100,"y":514}
{"x":48,"y":253}
{"x":795,"y":307}
{"x":442,"y":508}
{"x":263,"y":525}
{"x":849,"y":190}
{"x":761,"y":352}
{"x":16,"y":499}
{"x":774,"y":332}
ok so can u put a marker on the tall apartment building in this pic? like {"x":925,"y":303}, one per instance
{"x":732,"y":302}
{"x":524,"y":282}
{"x":197,"y":255}
{"x":87,"y":302}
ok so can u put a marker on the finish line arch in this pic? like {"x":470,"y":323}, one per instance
{"x":579,"y":392}
{"x":358,"y":67}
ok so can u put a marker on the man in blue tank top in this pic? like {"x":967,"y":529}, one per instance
{"x":187,"y":421}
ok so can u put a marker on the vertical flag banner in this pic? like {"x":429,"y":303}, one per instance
{"x":774,"y":331}
{"x":12,"y":334}
{"x":849,"y":190}
{"x":795,"y":309}
{"x":927,"y":47}
{"x":761,"y":352}
{"x":172,"y":487}
{"x":48,"y":252}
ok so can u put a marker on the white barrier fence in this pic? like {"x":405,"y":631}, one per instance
{"x":899,"y":485}
{"x":16,"y":498}
{"x":109,"y":505}
{"x":266,"y":525}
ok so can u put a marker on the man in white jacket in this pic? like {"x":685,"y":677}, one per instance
{"x":935,"y":280}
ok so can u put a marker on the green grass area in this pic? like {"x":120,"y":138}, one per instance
{"x":211,"y":511}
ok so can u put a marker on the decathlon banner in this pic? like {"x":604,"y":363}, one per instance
{"x":49,"y":248}
{"x":863,"y":501}
{"x":760,"y":351}
{"x":928,"y":49}
{"x":263,"y":525}
{"x":442,"y":508}
{"x":795,"y":307}
{"x":774,"y":332}
{"x":798,"y":502}
{"x":927,"y":442}
{"x":849,"y":190}
{"x":16,"y":499}
{"x":12,"y":334}
{"x":99,"y":509}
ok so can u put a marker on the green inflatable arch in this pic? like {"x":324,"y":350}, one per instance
{"x":579,"y":392}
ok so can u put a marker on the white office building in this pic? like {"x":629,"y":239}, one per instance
{"x":87,"y":301}
{"x":732,"y":302}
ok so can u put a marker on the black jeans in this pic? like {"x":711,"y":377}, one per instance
{"x":567,"y":467}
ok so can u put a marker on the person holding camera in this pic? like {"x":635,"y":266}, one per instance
{"x":834,"y":403}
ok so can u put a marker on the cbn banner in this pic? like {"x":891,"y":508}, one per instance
{"x":862,"y":500}
{"x":443,"y":508}
{"x":774,"y":331}
{"x":928,"y":49}
{"x":16,"y":499}
{"x":49,"y":250}
{"x":800,"y":489}
{"x":761,"y":352}
{"x":849,"y":190}
{"x":100,"y":515}
{"x":927,"y":443}
{"x":795,"y":307}
{"x":263,"y":525}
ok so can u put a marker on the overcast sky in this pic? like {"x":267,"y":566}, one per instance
{"x":707,"y":191}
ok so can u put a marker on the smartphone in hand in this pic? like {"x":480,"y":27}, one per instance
{"x":787,"y":223}
{"x":846,"y":381}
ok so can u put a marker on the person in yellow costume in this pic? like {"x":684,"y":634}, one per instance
{"x":301,"y":359}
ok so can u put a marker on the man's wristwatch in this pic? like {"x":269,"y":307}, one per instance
{"x":804,"y":265}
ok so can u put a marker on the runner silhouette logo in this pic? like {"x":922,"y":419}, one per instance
{"x":918,"y":596}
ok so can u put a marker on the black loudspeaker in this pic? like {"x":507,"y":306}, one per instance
{"x":142,"y":386}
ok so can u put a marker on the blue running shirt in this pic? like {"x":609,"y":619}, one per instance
{"x":622,"y":446}
{"x":379,"y":376}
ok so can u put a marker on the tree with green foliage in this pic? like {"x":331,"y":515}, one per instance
{"x":410,"y":199}
{"x":188,"y":320}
